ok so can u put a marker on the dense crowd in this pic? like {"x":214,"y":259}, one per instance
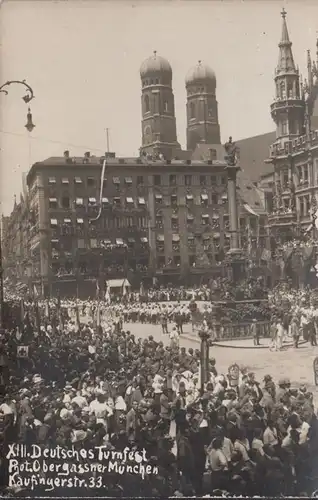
{"x":84,"y":386}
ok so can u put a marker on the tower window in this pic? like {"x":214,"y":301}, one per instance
{"x":284,"y":128}
{"x":290,"y":89}
{"x":192,"y":110}
{"x":282,"y":90}
{"x":147,"y":106}
{"x":165,"y":107}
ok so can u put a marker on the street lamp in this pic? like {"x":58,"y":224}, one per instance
{"x":29,"y":126}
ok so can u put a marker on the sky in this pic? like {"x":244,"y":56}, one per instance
{"x":82,"y":59}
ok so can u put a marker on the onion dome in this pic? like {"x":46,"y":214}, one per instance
{"x":155,"y":66}
{"x":200,"y":74}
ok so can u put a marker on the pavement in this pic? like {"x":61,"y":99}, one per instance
{"x":296,"y":364}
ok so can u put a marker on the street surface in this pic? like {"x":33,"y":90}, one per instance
{"x":296,"y":364}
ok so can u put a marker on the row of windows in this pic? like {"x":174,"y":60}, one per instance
{"x":114,"y":223}
{"x":188,"y":180}
{"x":92,"y":202}
{"x":104,"y":243}
{"x":130,"y":202}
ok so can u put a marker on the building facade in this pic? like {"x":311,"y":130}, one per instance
{"x":292,"y":186}
{"x":164,"y":219}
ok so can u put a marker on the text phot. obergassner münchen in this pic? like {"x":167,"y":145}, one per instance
{"x":72,"y":467}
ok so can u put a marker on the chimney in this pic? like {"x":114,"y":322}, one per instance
{"x":66,"y":154}
{"x":212,"y":155}
{"x":87,"y":154}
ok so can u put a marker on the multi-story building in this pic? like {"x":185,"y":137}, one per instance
{"x":293,"y":154}
{"x":156,"y":218}
{"x":15,"y":250}
{"x":292,"y":185}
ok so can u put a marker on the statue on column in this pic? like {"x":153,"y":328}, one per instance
{"x":232,"y":152}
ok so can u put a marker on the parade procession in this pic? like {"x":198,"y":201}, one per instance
{"x":159,"y":312}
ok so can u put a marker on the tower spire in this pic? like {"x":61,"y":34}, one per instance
{"x":285,"y":60}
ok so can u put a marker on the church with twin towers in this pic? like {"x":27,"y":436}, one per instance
{"x":159,"y":130}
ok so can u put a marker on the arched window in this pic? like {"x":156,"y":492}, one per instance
{"x":147,"y":106}
{"x":165,"y":106}
{"x":192,"y":110}
{"x":282,"y":90}
{"x":290,"y":89}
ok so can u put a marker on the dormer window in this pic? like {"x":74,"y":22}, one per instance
{"x":129,"y":201}
{"x":52,"y":180}
{"x":116,"y":181}
{"x":92,"y":201}
{"x":65,"y":180}
{"x":78,"y":180}
{"x":128,"y":181}
{"x":117,"y":201}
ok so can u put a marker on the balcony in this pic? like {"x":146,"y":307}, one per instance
{"x":283,"y":217}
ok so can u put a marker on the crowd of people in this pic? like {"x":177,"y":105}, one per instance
{"x":81,"y":386}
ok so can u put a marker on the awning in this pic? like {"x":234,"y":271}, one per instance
{"x":227,"y":235}
{"x":205,"y":216}
{"x":141,"y":201}
{"x":224,"y":196}
{"x":67,"y":221}
{"x":79,"y":201}
{"x":190,"y":236}
{"x":250,"y":210}
{"x":117,"y":200}
{"x":216,"y":236}
{"x":144,"y":239}
{"x":128,"y":180}
{"x":105,"y":200}
{"x":189,"y":196}
{"x":92,"y":200}
{"x":65,"y":180}
{"x":205,"y":237}
{"x":106,"y":242}
{"x":158,"y":196}
{"x":160,"y":237}
{"x":117,"y":283}
{"x":159,"y":216}
{"x":80,"y":221}
{"x":131,"y":240}
{"x":175,"y":237}
{"x":190,"y":217}
{"x":54,"y":241}
{"x":204,"y":197}
{"x":78,"y":180}
{"x":53,"y":200}
{"x":116,"y":180}
{"x":52,"y":180}
{"x":174,"y":195}
{"x":53,"y":222}
{"x":215,"y":216}
{"x":119,"y":241}
{"x":129,"y":199}
{"x":174,"y":216}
